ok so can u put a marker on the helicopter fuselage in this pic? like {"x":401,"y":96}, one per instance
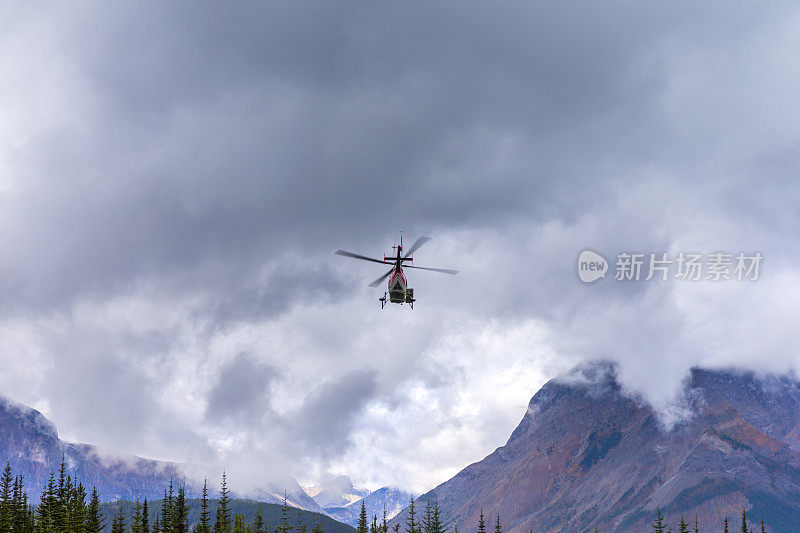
{"x":398,"y":289}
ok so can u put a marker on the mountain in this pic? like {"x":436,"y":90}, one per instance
{"x":30,"y":443}
{"x":337,"y":491}
{"x":587,"y":454}
{"x":393,"y":500}
{"x":342,"y":501}
{"x":275,"y":491}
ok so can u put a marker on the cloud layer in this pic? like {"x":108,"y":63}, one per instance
{"x":174,"y":180}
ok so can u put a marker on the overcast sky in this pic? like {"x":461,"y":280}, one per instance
{"x":175,"y":177}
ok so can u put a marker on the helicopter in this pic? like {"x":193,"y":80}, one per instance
{"x":398,"y":290}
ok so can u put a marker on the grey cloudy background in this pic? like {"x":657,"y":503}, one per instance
{"x":175,"y":177}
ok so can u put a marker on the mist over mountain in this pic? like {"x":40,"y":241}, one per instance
{"x":342,"y":501}
{"x":30,"y":443}
{"x":587,"y":454}
{"x":336,"y":491}
{"x":384,"y":499}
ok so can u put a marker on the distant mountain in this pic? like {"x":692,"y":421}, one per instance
{"x":275,"y":491}
{"x":270,"y":512}
{"x":337,"y":491}
{"x":586,"y":454}
{"x":30,"y":442}
{"x":393,"y":500}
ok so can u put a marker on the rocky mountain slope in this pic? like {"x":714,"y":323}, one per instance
{"x":586,"y":454}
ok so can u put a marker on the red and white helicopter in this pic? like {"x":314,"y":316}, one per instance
{"x":399,"y":292}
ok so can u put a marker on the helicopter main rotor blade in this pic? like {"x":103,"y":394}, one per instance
{"x":441,"y":270}
{"x":380,"y":279}
{"x":417,"y":245}
{"x":356,"y":256}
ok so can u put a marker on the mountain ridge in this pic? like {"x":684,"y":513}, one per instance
{"x":587,"y":453}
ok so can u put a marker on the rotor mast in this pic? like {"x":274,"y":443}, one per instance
{"x":398,"y":260}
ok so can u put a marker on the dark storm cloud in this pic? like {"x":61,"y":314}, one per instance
{"x":213,"y":139}
{"x":326,"y":417}
{"x":321,"y":425}
{"x":242,"y":391}
{"x":175,"y":177}
{"x":287,"y":283}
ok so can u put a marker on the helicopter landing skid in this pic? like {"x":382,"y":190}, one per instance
{"x":386,"y":300}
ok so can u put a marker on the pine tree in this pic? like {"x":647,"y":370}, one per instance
{"x":725,"y":530}
{"x":19,"y":512}
{"x":23,"y":519}
{"x":258,"y":522}
{"x":46,"y":512}
{"x":317,"y":527}
{"x":180,"y":512}
{"x":763,"y":529}
{"x":6,"y":499}
{"x":205,"y":520}
{"x":696,"y":527}
{"x":166,"y":509}
{"x":301,"y":526}
{"x":136,"y":517}
{"x":744,"y":521}
{"x":362,"y":519}
{"x":436,"y":521}
{"x":223,"y":521}
{"x":683,"y":527}
{"x":118,"y":524}
{"x":30,"y":515}
{"x":384,"y":525}
{"x":427,"y":518}
{"x":95,"y":521}
{"x":77,"y":508}
{"x":285,"y":525}
{"x":22,"y":516}
{"x":498,"y":529}
{"x":217,"y":521}
{"x":411,"y":522}
{"x":240,"y":524}
{"x":658,"y":524}
{"x":156,"y":525}
{"x":145,"y":517}
{"x":61,"y":510}
{"x":481,"y":524}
